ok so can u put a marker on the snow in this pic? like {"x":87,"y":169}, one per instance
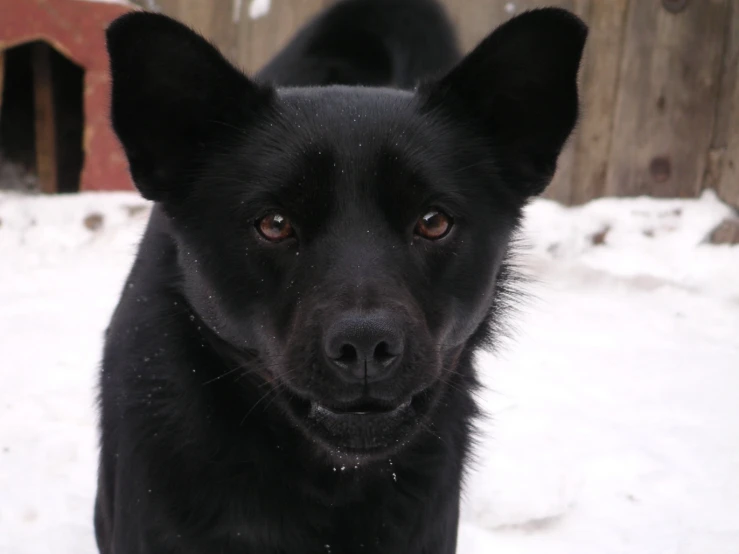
{"x":259,"y":8}
{"x":613,"y":418}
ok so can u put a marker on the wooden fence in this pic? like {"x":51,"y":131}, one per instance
{"x":659,"y":85}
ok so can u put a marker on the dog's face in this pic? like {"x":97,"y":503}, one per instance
{"x":346,"y":241}
{"x":350,"y":253}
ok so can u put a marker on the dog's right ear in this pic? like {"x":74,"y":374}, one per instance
{"x":172,"y":92}
{"x":518,"y":88}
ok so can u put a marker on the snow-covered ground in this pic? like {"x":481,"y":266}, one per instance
{"x":613,"y":412}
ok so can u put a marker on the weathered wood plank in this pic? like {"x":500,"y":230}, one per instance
{"x":198,"y":14}
{"x":474,"y":19}
{"x":45,"y":124}
{"x":261,"y":38}
{"x":599,"y":81}
{"x":168,"y":7}
{"x":665,"y":106}
{"x":722,"y":164}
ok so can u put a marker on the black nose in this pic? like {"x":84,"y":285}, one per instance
{"x":364,"y":347}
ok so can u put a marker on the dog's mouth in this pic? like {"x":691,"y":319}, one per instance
{"x":365,"y":427}
{"x":369,"y":408}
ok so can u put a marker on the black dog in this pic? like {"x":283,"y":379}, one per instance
{"x":289,"y":370}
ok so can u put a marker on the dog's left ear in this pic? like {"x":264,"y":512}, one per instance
{"x":173,"y":94}
{"x":519,"y":88}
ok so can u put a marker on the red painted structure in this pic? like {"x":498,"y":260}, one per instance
{"x":75,"y":28}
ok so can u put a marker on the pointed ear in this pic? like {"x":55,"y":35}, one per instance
{"x":519,"y":89}
{"x":172,"y":92}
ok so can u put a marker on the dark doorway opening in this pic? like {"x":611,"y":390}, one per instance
{"x":41,"y":119}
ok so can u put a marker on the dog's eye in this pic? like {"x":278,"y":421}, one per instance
{"x":434,"y":225}
{"x":275,"y":227}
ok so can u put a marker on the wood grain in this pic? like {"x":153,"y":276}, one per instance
{"x":45,"y":124}
{"x":664,"y":117}
{"x":722,"y":163}
{"x":599,"y":82}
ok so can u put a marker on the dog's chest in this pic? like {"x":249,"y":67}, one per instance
{"x":373,"y":518}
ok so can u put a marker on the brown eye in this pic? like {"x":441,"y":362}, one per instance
{"x":434,"y":225}
{"x":274,"y":227}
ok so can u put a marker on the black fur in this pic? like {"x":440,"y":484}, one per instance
{"x":370,"y":43}
{"x":223,"y":411}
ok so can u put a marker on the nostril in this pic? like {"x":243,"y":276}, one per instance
{"x":347,"y":354}
{"x":382,"y":354}
{"x":364,"y":347}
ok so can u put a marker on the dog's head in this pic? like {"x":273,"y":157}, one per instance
{"x":348,"y":241}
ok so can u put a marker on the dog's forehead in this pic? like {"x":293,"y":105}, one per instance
{"x":340,"y":113}
{"x":345,"y":98}
{"x":351,"y":136}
